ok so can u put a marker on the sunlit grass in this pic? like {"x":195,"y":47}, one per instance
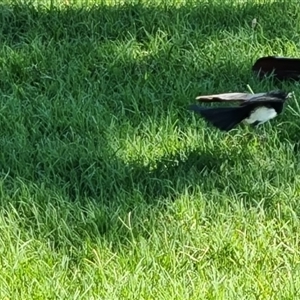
{"x":110,"y":188}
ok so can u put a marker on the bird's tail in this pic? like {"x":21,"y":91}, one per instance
{"x":224,"y":118}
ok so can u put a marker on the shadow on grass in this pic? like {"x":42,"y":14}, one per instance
{"x":22,"y":22}
{"x":104,"y":178}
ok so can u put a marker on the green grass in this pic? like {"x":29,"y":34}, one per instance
{"x":109,"y":187}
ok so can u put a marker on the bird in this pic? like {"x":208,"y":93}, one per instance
{"x":255,"y":109}
{"x":282,"y":68}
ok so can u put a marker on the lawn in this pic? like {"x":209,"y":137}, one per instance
{"x":110,"y":188}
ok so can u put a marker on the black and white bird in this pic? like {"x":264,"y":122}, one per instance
{"x":255,"y":109}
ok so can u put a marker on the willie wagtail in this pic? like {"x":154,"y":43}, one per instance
{"x":255,"y":109}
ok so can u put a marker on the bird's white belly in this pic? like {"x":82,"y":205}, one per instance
{"x":261,"y":115}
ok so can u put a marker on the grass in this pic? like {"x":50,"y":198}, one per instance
{"x":109,"y":187}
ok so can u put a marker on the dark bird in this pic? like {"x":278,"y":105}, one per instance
{"x":282,"y":68}
{"x":255,"y":109}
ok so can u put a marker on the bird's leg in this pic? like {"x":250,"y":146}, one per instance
{"x":261,"y":131}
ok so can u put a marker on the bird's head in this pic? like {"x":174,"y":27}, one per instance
{"x":280,"y":94}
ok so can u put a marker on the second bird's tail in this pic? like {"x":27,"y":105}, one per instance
{"x":224,"y":118}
